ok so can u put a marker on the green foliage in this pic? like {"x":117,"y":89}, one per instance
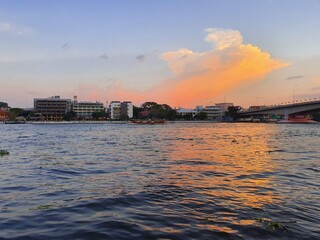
{"x":149,"y":105}
{"x":157,"y":111}
{"x":187,"y":116}
{"x":274,"y":225}
{"x":99,"y":115}
{"x":136,"y":111}
{"x":25,"y":113}
{"x":17,"y":112}
{"x":171,"y":114}
{"x":316,"y":117}
{"x":233,"y":111}
{"x":71,"y":115}
{"x":3,"y":153}
{"x":14,"y":112}
{"x":201,"y":116}
{"x":3,"y":105}
{"x":44,"y":207}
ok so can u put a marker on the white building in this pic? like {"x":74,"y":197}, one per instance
{"x":52,"y":108}
{"x":224,"y":106}
{"x":184,"y":111}
{"x":115,"y":109}
{"x":213,"y":112}
{"x":85,"y":109}
{"x":121,"y":109}
{"x":127,"y":109}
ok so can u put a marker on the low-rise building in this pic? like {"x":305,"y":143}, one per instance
{"x":185,"y":111}
{"x":224,"y":106}
{"x":214,"y":113}
{"x":52,"y":108}
{"x":120,"y":110}
{"x":115,"y":109}
{"x":85,"y":109}
{"x":127,"y":109}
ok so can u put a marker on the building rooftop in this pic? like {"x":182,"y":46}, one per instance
{"x":53,"y":98}
{"x":185,"y":110}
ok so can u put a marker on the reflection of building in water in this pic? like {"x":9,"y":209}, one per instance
{"x":52,"y":108}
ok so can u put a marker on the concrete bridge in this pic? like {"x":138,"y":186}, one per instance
{"x":297,"y":108}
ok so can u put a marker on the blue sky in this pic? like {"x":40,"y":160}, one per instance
{"x":63,"y":47}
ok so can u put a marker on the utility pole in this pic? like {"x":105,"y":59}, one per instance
{"x":258,"y":100}
{"x":294,"y":93}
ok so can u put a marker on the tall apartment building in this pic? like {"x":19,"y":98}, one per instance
{"x":120,"y":109}
{"x":127,"y":109}
{"x":115,"y":109}
{"x":85,"y":109}
{"x":52,"y":108}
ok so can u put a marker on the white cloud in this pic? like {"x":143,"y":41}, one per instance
{"x":223,"y":38}
{"x":11,"y":28}
{"x":179,"y":60}
{"x":5,"y":26}
{"x":203,"y":75}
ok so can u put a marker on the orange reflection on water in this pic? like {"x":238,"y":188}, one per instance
{"x":234,"y":166}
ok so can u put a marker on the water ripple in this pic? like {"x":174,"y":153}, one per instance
{"x":174,"y":181}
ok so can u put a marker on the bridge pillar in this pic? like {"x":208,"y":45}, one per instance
{"x":286,"y":115}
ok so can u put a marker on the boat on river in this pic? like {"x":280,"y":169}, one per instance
{"x":298,"y":119}
{"x":149,"y":122}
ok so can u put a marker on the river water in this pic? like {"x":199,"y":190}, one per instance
{"x":172,"y":181}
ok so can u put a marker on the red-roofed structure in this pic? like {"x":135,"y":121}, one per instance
{"x":145,"y":113}
{"x":4,"y":115}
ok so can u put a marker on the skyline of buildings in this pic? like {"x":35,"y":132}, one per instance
{"x":64,"y":109}
{"x":55,"y":108}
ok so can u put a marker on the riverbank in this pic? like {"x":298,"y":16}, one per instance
{"x":126,"y":122}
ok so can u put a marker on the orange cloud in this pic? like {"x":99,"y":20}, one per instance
{"x":202,"y":76}
{"x":199,"y":76}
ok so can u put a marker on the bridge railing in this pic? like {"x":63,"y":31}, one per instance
{"x":285,"y":104}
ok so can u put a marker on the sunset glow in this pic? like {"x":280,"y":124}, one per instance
{"x":183,"y":54}
{"x":199,"y":76}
